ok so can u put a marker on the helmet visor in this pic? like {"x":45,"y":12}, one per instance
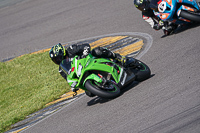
{"x":144,"y":7}
{"x":57,"y":59}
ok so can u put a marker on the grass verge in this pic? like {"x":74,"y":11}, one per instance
{"x":27,"y":84}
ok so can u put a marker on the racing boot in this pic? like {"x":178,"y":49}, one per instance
{"x":127,"y":61}
{"x":132,"y":62}
{"x":120,"y":59}
{"x":169,"y":29}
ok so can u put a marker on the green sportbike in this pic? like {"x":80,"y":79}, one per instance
{"x":101,"y":76}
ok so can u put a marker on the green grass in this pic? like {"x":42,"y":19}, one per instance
{"x":27,"y":84}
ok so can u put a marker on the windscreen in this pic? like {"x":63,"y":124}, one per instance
{"x":66,"y":66}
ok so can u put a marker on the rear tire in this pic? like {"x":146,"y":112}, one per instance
{"x":101,"y":92}
{"x":193,"y":16}
{"x":143,"y":72}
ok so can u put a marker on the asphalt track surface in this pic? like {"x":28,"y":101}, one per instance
{"x":168,"y":102}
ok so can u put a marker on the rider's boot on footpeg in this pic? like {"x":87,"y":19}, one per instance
{"x":120,"y":59}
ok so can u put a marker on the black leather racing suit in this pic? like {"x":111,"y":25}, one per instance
{"x":84,"y":50}
{"x":156,"y":23}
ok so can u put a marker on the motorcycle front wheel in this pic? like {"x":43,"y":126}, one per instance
{"x":108,"y":91}
{"x":193,"y":16}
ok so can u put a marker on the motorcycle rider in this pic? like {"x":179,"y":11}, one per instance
{"x":58,"y":53}
{"x":148,"y":7}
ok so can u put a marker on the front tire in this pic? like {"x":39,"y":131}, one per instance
{"x":95,"y":89}
{"x":193,"y":16}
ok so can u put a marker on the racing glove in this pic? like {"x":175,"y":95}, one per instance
{"x":86,"y":51}
{"x":158,"y":25}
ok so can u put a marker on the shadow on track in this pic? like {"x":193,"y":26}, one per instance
{"x":100,"y":100}
{"x":183,"y":28}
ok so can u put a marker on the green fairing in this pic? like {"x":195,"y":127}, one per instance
{"x":94,"y":77}
{"x":91,"y":63}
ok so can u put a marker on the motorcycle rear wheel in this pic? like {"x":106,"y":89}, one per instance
{"x":143,"y":72}
{"x":102,"y":92}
